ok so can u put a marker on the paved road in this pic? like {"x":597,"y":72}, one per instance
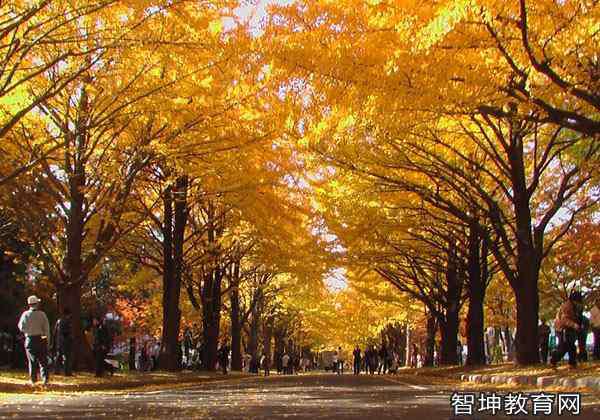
{"x":318,"y":396}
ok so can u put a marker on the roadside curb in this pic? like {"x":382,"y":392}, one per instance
{"x":592,"y":382}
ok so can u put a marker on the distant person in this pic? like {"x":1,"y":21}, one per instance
{"x":335,"y":361}
{"x":224,"y":357}
{"x":584,"y":323}
{"x":567,"y":324}
{"x":413,"y":356}
{"x":285,"y":363}
{"x":367,"y":360}
{"x":254,"y":364}
{"x":266,"y":365}
{"x":36,"y":328}
{"x":278,"y":365}
{"x":101,"y":345}
{"x":187,"y":346}
{"x":383,"y":359}
{"x":357,"y":359}
{"x":394,"y":365}
{"x":374,"y":359}
{"x":305,"y":364}
{"x":246,"y":360}
{"x":155,"y":353}
{"x":543,"y":340}
{"x":63,"y":343}
{"x":595,"y":325}
{"x":144,"y":358}
{"x":340,"y":370}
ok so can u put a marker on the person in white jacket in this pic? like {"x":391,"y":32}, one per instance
{"x":595,"y":324}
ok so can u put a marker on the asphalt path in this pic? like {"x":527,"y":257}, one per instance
{"x":308,"y":396}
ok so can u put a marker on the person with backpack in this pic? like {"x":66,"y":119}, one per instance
{"x":63,"y":343}
{"x":567,"y":325}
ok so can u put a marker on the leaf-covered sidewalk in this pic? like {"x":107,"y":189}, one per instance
{"x":12,"y":381}
{"x":509,"y":376}
{"x":509,"y":369}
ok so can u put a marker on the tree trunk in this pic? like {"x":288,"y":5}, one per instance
{"x":173,"y":239}
{"x":70,"y":297}
{"x":528,"y":258}
{"x":526,"y":289}
{"x":279,"y":347}
{"x":475,"y":315}
{"x":408,"y":346}
{"x":132,"y":351}
{"x":211,"y":309}
{"x":449,"y":325}
{"x":69,"y":291}
{"x":181,"y":215}
{"x":430,"y":341}
{"x":236,"y":325}
{"x":211,"y":339}
{"x":526,"y":339}
{"x":449,"y":342}
{"x":267,"y":338}
{"x":165,"y":357}
{"x":254,"y":326}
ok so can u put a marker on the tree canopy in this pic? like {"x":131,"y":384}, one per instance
{"x":327,"y":173}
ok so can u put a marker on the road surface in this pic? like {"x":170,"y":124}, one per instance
{"x":309,"y":396}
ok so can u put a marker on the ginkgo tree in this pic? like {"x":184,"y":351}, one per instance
{"x":436,"y":110}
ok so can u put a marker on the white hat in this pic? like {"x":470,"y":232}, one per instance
{"x":32,"y":300}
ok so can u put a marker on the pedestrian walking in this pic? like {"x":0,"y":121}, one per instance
{"x":374,"y":360}
{"x":144,"y":359}
{"x":543,"y":340}
{"x":366,"y":360}
{"x":393,"y":369}
{"x":357,"y":360}
{"x":459,"y":351}
{"x":383,"y":359}
{"x":187,"y":346}
{"x":266,"y":365}
{"x":413,"y":356}
{"x":335,"y":361}
{"x":566,"y":323}
{"x":584,"y":324}
{"x":63,"y":343}
{"x":285,"y":363}
{"x":341,"y":358}
{"x":224,"y":357}
{"x":595,"y":325}
{"x":34,"y":324}
{"x":101,"y":345}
